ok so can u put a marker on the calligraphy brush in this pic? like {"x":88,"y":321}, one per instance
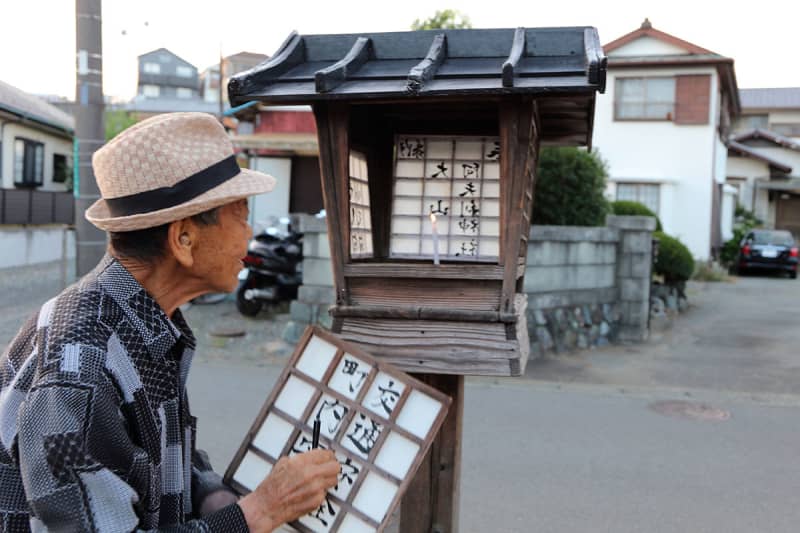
{"x":315,"y":434}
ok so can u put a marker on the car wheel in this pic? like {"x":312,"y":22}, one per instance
{"x":793,"y":274}
{"x":245,"y":306}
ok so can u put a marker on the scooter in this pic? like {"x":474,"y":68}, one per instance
{"x":273,"y":270}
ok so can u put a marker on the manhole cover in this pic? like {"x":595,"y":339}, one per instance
{"x":690,"y":410}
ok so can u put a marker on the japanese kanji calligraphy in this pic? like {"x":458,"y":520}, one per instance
{"x":378,"y":421}
{"x":457,"y":181}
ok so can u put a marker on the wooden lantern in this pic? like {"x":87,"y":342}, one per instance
{"x":428,"y":144}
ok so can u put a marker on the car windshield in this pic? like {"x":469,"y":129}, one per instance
{"x":779,"y":238}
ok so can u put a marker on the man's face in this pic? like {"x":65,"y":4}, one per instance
{"x":221,"y":247}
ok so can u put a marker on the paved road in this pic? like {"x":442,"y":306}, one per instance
{"x":741,"y":336}
{"x":579,"y":445}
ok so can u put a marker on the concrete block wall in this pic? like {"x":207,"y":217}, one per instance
{"x":586,"y":286}
{"x":22,"y":246}
{"x":316,"y":294}
{"x":634,"y":274}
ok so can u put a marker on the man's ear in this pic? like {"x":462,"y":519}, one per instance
{"x":181,"y":241}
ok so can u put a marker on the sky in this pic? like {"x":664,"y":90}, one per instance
{"x":37,"y":37}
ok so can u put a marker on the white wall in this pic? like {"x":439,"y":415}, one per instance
{"x":647,"y":46}
{"x":680,"y":157}
{"x":22,"y":246}
{"x":750,"y":169}
{"x":267,"y":208}
{"x":52,"y":145}
{"x":727,"y":212}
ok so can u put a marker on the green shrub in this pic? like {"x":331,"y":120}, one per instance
{"x":674,"y":261}
{"x":628,"y":208}
{"x":570,"y":187}
{"x":745,"y":221}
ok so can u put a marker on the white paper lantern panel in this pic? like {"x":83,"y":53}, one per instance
{"x":375,"y":496}
{"x":252,"y":471}
{"x":316,"y":358}
{"x":349,"y":473}
{"x":352,"y":524}
{"x":396,"y":455}
{"x":273,"y":435}
{"x":439,"y":149}
{"x":350,"y":376}
{"x":294,"y":397}
{"x":362,"y":435}
{"x":331,"y":413}
{"x":323,"y":518}
{"x":469,"y":150}
{"x":418,"y":414}
{"x":383,"y":395}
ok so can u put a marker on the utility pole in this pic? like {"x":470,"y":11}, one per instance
{"x":89,"y":130}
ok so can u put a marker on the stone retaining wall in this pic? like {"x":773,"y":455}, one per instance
{"x":586,"y":286}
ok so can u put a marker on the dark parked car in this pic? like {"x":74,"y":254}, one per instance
{"x":766,"y":249}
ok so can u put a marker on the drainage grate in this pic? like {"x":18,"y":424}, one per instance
{"x":690,"y":410}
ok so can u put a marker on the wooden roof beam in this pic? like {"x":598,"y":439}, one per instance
{"x":426,"y":69}
{"x":517,"y":50}
{"x":331,"y":77}
{"x":596,"y":60}
{"x":290,"y":54}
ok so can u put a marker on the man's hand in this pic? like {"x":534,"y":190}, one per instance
{"x":295,"y":486}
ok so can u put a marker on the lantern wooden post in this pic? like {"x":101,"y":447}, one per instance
{"x":464,"y":314}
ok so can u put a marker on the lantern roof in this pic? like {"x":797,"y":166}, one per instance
{"x":438,"y":64}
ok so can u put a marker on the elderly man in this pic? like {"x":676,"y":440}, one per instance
{"x":95,"y":428}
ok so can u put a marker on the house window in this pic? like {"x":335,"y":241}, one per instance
{"x":151,"y":91}
{"x":644,"y":193}
{"x":183,"y":92}
{"x":184,"y":71}
{"x":28,"y":163}
{"x":787,"y":130}
{"x":60,"y":168}
{"x":152,"y":68}
{"x":752,"y":122}
{"x":644,"y":98}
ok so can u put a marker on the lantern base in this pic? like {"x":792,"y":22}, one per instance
{"x":443,"y":346}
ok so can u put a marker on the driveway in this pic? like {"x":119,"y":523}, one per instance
{"x":740,"y":336}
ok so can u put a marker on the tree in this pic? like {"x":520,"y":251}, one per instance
{"x":446,"y":19}
{"x":570,"y":187}
{"x":118,"y":120}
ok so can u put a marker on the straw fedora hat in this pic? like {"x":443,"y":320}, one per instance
{"x":167,"y":168}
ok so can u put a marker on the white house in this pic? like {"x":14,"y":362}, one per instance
{"x":662,"y":126}
{"x":35,"y":142}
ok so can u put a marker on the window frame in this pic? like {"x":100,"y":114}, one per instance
{"x":149,"y":67}
{"x":182,"y":71}
{"x":59,"y":178}
{"x":150,"y":85}
{"x":669,"y":117}
{"x":27,"y":176}
{"x":639,"y":186}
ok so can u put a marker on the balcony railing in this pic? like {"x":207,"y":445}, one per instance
{"x":29,"y":206}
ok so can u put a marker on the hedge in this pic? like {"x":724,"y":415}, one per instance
{"x":629,"y":208}
{"x":674,"y":261}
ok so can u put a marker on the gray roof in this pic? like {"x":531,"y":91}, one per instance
{"x":24,"y":105}
{"x":777,"y":98}
{"x":566,"y":64}
{"x":767,"y":135}
{"x":745,"y":151}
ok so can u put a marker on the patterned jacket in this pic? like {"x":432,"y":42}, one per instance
{"x":95,"y":429}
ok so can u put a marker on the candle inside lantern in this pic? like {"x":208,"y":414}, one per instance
{"x":435,"y":236}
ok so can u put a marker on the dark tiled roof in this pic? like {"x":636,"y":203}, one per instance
{"x":18,"y":102}
{"x":767,"y":135}
{"x":426,"y":63}
{"x":745,"y":151}
{"x":777,"y":98}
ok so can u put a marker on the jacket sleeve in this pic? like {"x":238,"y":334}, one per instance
{"x":80,"y":469}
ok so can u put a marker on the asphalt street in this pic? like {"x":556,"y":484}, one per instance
{"x":696,"y":430}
